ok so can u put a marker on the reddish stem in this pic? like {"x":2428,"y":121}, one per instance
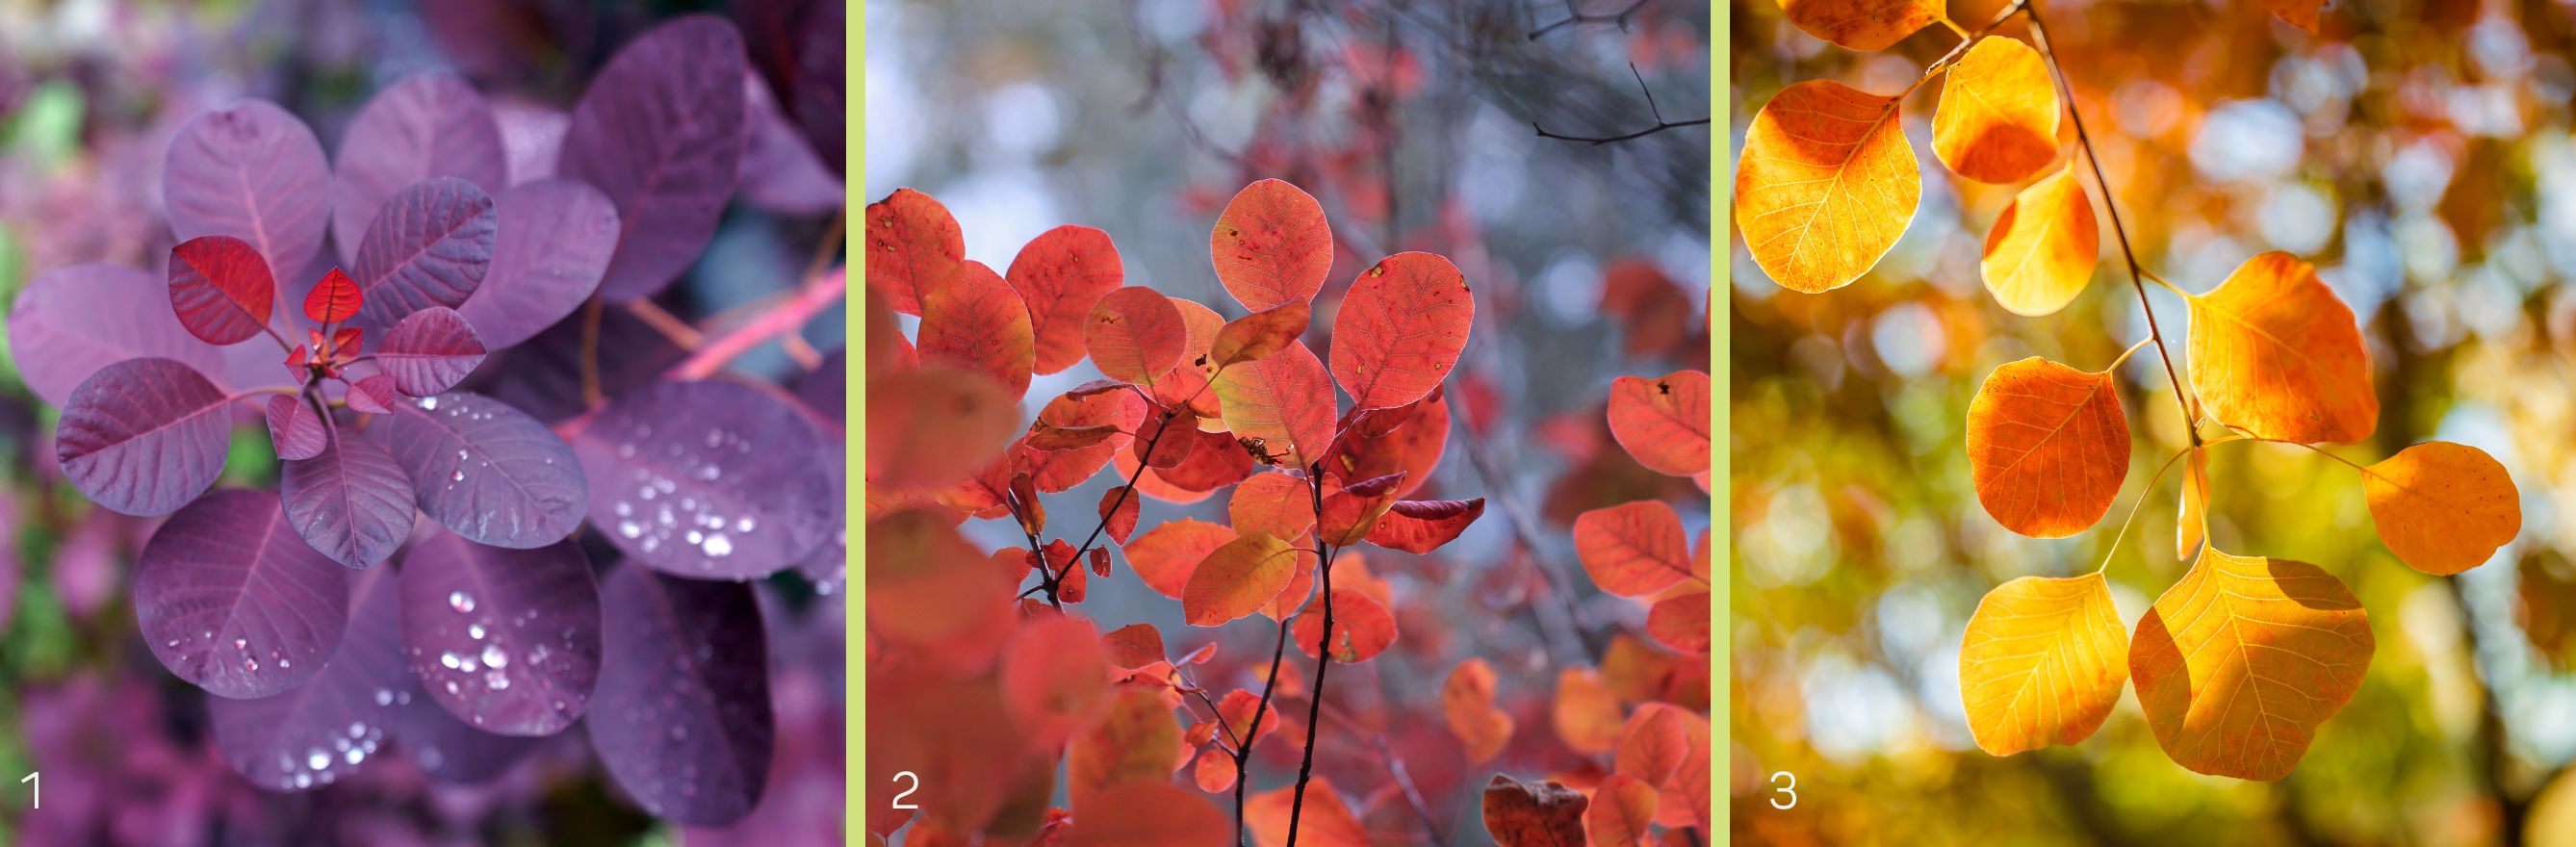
{"x":790,"y":317}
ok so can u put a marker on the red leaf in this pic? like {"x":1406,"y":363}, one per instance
{"x":344,"y":341}
{"x":1045,"y":436}
{"x":1168,"y":436}
{"x":1274,"y":503}
{"x":1165,"y":556}
{"x":1188,"y":383}
{"x":1326,"y":821}
{"x":1063,"y":469}
{"x":430,"y":351}
{"x":1421,"y":526}
{"x":1061,"y":274}
{"x":912,"y":244}
{"x":1135,"y":335}
{"x":1031,"y":511}
{"x":1361,"y":628}
{"x":1118,"y":510}
{"x":1533,"y":814}
{"x":971,"y":320}
{"x":1134,"y":645}
{"x":1055,"y":679}
{"x":1350,"y":513}
{"x":1407,"y":439}
{"x":1237,"y":579}
{"x":1652,"y":747}
{"x":1663,"y":422}
{"x":1400,"y":330}
{"x":1285,"y":400}
{"x":1136,"y":743}
{"x":221,"y":288}
{"x":1214,"y":771}
{"x":1622,"y":810}
{"x":1216,"y":462}
{"x":1257,"y":335}
{"x":1100,"y":561}
{"x":294,"y":428}
{"x":336,"y":298}
{"x":1681,"y":622}
{"x":1633,"y":549}
{"x":1148,"y":813}
{"x":1272,"y":245}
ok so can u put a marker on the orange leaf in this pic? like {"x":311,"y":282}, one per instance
{"x":1257,"y":335}
{"x":912,"y":244}
{"x":1467,"y":702}
{"x":1237,"y":579}
{"x":931,"y":427}
{"x":1188,"y":383}
{"x":2441,"y":507}
{"x":1622,"y":810}
{"x":2274,"y":352}
{"x":1825,"y":184}
{"x":1214,"y":771}
{"x":1421,"y":526}
{"x":1216,"y":461}
{"x":1683,"y":799}
{"x":942,"y":730}
{"x":2238,"y":664}
{"x":1238,"y":707}
{"x":2191,"y":519}
{"x":1055,"y":679}
{"x":2043,"y":248}
{"x":1663,"y":422}
{"x":1652,"y":746}
{"x":924,"y":593}
{"x":1361,"y":628}
{"x":1680,"y":622}
{"x":1149,"y":813}
{"x":1998,"y":116}
{"x":1350,"y":513}
{"x":1062,"y":470}
{"x":1272,"y":245}
{"x":1400,"y":330}
{"x":1326,"y":822}
{"x":2047,"y":446}
{"x":1633,"y":549}
{"x":2042,"y":663}
{"x":1301,"y":588}
{"x":1286,"y":400}
{"x":2300,"y":13}
{"x":1586,"y":712}
{"x":972,"y":321}
{"x":1135,"y":334}
{"x":1165,"y":556}
{"x":1135,"y":742}
{"x":1275,"y":503}
{"x":1133,"y":646}
{"x":1061,"y":274}
{"x":1046,"y":436}
{"x":1533,"y":814}
{"x":1864,"y":25}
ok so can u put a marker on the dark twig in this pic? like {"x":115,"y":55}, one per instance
{"x":1243,"y":754}
{"x":1575,"y":16}
{"x":1660,"y":123}
{"x":1323,"y":656}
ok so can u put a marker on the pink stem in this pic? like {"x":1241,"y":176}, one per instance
{"x":789,"y":317}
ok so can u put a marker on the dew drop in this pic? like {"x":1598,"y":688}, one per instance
{"x":318,"y":759}
{"x":459,"y":476}
{"x":355,"y":755}
{"x":430,"y":403}
{"x":493,"y":656}
{"x":250,"y":664}
{"x":475,"y":632}
{"x":460,"y":601}
{"x":719,"y":546}
{"x":629,"y":529}
{"x":384,"y":697}
{"x":241,"y":643}
{"x":448,"y":660}
{"x":744,"y":524}
{"x":625,"y":509}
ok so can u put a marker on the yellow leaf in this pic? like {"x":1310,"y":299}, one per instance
{"x":2441,"y":507}
{"x":2042,"y":249}
{"x":2047,"y":447}
{"x":2238,"y":664}
{"x":2276,"y":353}
{"x":2191,"y":523}
{"x":2042,"y":663}
{"x":1825,"y":185}
{"x":1863,"y":25}
{"x":1998,"y":116}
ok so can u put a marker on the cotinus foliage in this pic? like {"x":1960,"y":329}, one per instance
{"x":415,"y":580}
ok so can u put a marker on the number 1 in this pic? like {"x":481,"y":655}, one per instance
{"x":37,"y":798}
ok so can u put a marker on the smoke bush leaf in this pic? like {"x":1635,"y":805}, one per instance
{"x":1362,"y":628}
{"x":431,"y":246}
{"x":1189,"y":383}
{"x":1680,"y":622}
{"x":1271,"y":245}
{"x":1663,"y":422}
{"x":487,"y":471}
{"x":1622,"y":812}
{"x":1825,"y":184}
{"x":1533,"y":814}
{"x":221,"y":288}
{"x":661,"y":132}
{"x":927,"y":594}
{"x":2286,"y":634}
{"x":450,"y":751}
{"x":682,"y":717}
{"x":294,"y":428}
{"x":430,"y":351}
{"x":2043,"y":662}
{"x":335,"y":298}
{"x":554,"y":241}
{"x":229,"y":599}
{"x":1633,"y":549}
{"x":1152,"y":813}
{"x":710,"y":479}
{"x":1055,"y":680}
{"x":1864,"y":25}
{"x":2048,"y":447}
{"x":506,"y":640}
{"x":143,"y":436}
{"x":1407,"y":439}
{"x":2273,"y":351}
{"x":1135,"y":742}
{"x":1421,"y":526}
{"x":351,"y":502}
{"x":1166,"y":556}
{"x":1135,"y":335}
{"x":425,"y":125}
{"x":912,"y":244}
{"x":2043,"y":247}
{"x":973,"y":321}
{"x":252,"y":171}
{"x":1259,"y":334}
{"x":1061,"y":274}
{"x":375,"y":395}
{"x":1586,"y":713}
{"x":931,"y":427}
{"x":1997,"y":121}
{"x":1276,"y":504}
{"x":1326,"y":822}
{"x":1286,"y":400}
{"x":327,"y":728}
{"x":2441,"y":507}
{"x":1400,"y":330}
{"x":1467,"y":703}
{"x":1061,"y":470}
{"x":69,"y":322}
{"x":2191,"y":516}
{"x":1237,"y":579}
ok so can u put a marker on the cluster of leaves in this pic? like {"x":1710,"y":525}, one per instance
{"x":2238,"y":663}
{"x":274,"y":601}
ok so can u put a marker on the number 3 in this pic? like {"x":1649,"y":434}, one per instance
{"x":916,"y":786}
{"x":1790,"y":790}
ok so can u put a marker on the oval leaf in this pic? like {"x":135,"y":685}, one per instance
{"x":554,"y":241}
{"x":1825,"y":185}
{"x":1533,"y":814}
{"x":229,"y":599}
{"x":2043,"y":663}
{"x":1237,"y":579}
{"x":1663,"y":422}
{"x":70,"y":322}
{"x":1421,"y":526}
{"x":1152,"y":813}
{"x":1271,"y":246}
{"x":1362,"y":628}
{"x":1633,"y":549}
{"x":661,"y":132}
{"x":1061,"y":274}
{"x":143,"y":436}
{"x":1259,"y":334}
{"x":1165,"y":556}
{"x":294,"y":428}
{"x":1400,"y":330}
{"x":932,"y":427}
{"x":2043,"y":248}
{"x":912,"y":244}
{"x":710,"y":480}
{"x":1467,"y":703}
{"x":430,"y":351}
{"x":2274,"y":352}
{"x":1285,"y":400}
{"x":1622,"y":813}
{"x":254,"y":172}
{"x":506,"y":640}
{"x":2048,"y":447}
{"x":972,"y":321}
{"x":2441,"y":507}
{"x":335,"y":298}
{"x":426,"y":125}
{"x":431,"y":246}
{"x":2240,"y":662}
{"x":325,"y":729}
{"x":1135,"y":335}
{"x":221,"y":289}
{"x":1680,"y":622}
{"x":1055,"y":679}
{"x":1136,"y":742}
{"x":682,"y":717}
{"x":1998,"y":116}
{"x":1864,"y":25}
{"x":352,"y":502}
{"x":487,"y":471}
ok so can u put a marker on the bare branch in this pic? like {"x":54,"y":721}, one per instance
{"x":1651,"y":109}
{"x":1575,"y":16}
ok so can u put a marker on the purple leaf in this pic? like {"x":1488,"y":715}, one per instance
{"x":319,"y":732}
{"x":426,"y":125}
{"x":231,"y":600}
{"x":375,"y":395}
{"x":800,"y":47}
{"x":682,"y":717}
{"x":555,"y":241}
{"x":489,"y":472}
{"x":543,"y":376}
{"x":429,"y":351}
{"x":507,"y":640}
{"x":779,"y":171}
{"x":143,"y":436}
{"x":352,"y":503}
{"x":661,"y":132}
{"x":9,"y":560}
{"x":825,"y":389}
{"x":254,"y":172}
{"x":295,"y":429}
{"x":711,"y":480}
{"x":70,"y":322}
{"x":449,"y":750}
{"x":221,"y":289}
{"x":429,"y":247}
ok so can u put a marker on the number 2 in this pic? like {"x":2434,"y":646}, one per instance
{"x":36,"y":797}
{"x":916,"y":786}
{"x":1790,"y":790}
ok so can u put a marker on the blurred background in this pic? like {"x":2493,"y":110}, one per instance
{"x":1412,"y":124}
{"x":90,"y":93}
{"x":2416,"y":151}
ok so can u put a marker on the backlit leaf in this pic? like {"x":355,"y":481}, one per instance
{"x":2043,"y":247}
{"x":2441,"y":507}
{"x":1325,"y":822}
{"x":1467,"y":703}
{"x":1663,"y":422}
{"x":1137,"y":741}
{"x":1165,"y":556}
{"x":1285,"y":400}
{"x":1421,"y":526}
{"x":335,"y":298}
{"x":375,"y":395}
{"x":506,"y":640}
{"x":972,"y":321}
{"x":1135,"y":335}
{"x":1652,"y":746}
{"x":709,"y":480}
{"x":1825,"y":184}
{"x":1150,"y":813}
{"x":1119,"y":508}
{"x":1998,"y":116}
{"x":1061,"y":274}
{"x":229,"y":599}
{"x":430,"y":351}
{"x":1237,"y":579}
{"x":2273,"y":351}
{"x":351,"y":502}
{"x":1055,"y":679}
{"x":931,"y":427}
{"x":489,"y":472}
{"x":1275,"y":504}
{"x":1189,"y":384}
{"x":2048,"y":447}
{"x":1533,"y":814}
{"x":661,"y":132}
{"x":431,"y":246}
{"x":251,"y":171}
{"x":2043,"y":662}
{"x":69,"y":322}
{"x":1622,"y":811}
{"x":1259,"y":334}
{"x":1633,"y":549}
{"x":926,"y":594}
{"x":1680,"y":622}
{"x":1349,"y":514}
{"x":912,"y":244}
{"x":2191,"y":517}
{"x":1362,"y":628}
{"x":425,"y":125}
{"x":1400,"y":329}
{"x":2239,"y":663}
{"x":1864,"y":25}
{"x":1061,"y":470}
{"x":322,"y":731}
{"x":143,"y":436}
{"x":554,"y":242}
{"x":1271,"y":246}
{"x":1586,"y":712}
{"x":681,"y":717}
{"x":294,"y":428}
{"x":221,"y":289}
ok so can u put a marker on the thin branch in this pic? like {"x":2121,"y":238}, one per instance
{"x":678,"y":331}
{"x":1575,"y":16}
{"x":1323,"y":658}
{"x":1243,"y":755}
{"x":591,"y":395}
{"x":1651,"y":108}
{"x":790,"y":317}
